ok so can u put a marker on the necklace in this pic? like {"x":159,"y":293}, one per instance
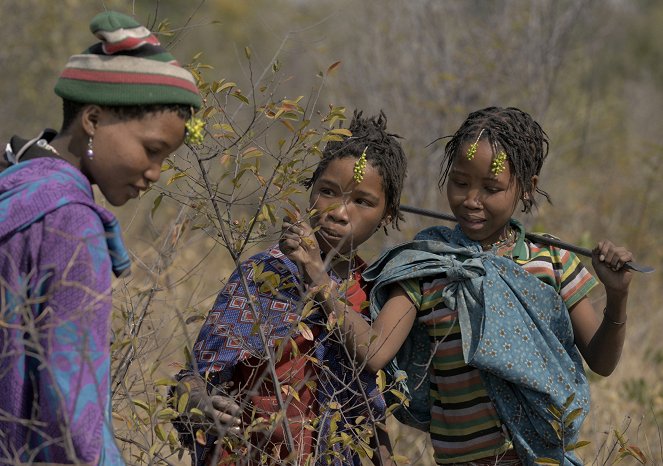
{"x":506,"y":239}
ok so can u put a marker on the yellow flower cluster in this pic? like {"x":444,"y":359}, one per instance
{"x":472,"y":150}
{"x":360,"y":167}
{"x":499,"y":163}
{"x":194,"y":131}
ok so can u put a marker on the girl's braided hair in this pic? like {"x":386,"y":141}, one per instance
{"x":71,"y":110}
{"x":383,"y":152}
{"x":509,"y":129}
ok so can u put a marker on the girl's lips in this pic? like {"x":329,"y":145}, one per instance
{"x":330,"y":235}
{"x":472,"y":223}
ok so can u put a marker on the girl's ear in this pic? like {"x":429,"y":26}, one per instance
{"x":535,"y":181}
{"x":527,"y":196}
{"x":386,"y":220}
{"x":90,"y":116}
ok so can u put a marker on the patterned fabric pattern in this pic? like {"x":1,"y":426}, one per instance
{"x":464,"y":423}
{"x":230,"y":336}
{"x":54,"y":322}
{"x":515,"y":329}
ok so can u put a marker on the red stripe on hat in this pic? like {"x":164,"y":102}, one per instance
{"x":116,"y":77}
{"x":129,"y":43}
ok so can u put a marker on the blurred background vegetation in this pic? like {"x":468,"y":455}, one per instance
{"x":590,"y":71}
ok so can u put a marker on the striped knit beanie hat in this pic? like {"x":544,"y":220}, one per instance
{"x":128,"y":67}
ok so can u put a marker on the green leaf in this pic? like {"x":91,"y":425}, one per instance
{"x":142,"y":404}
{"x":166,"y":381}
{"x":557,"y":414}
{"x":156,"y":204}
{"x":568,"y":401}
{"x":238,"y":95}
{"x":167,"y":413}
{"x":161,"y":434}
{"x":544,"y":460}
{"x":572,"y":416}
{"x":182,"y":402}
{"x":575,"y":446}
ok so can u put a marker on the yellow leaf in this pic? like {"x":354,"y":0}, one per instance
{"x":225,"y":86}
{"x":305,"y":331}
{"x":400,"y":396}
{"x":172,"y":438}
{"x":167,"y":413}
{"x":175,"y":177}
{"x":161,"y":434}
{"x":400,"y":459}
{"x":544,"y":460}
{"x":182,"y":402}
{"x":308,"y":309}
{"x":209,"y":111}
{"x":166,"y":381}
{"x":141,"y":404}
{"x":334,"y":405}
{"x":200,"y":437}
{"x":341,"y":131}
{"x":381,"y":380}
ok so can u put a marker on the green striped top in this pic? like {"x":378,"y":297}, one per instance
{"x":464,"y":423}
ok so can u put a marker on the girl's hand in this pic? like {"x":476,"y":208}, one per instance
{"x":219,"y":412}
{"x":608,"y":261}
{"x":299,"y":244}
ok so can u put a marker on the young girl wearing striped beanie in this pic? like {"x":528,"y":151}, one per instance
{"x":126,"y":101}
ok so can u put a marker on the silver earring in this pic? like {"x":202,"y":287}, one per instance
{"x":89,"y":153}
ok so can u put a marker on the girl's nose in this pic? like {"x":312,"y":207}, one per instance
{"x":339,"y":213}
{"x":153,"y":173}
{"x":472,"y":199}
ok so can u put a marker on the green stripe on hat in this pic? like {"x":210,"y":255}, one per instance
{"x":112,"y":21}
{"x":117,"y":95}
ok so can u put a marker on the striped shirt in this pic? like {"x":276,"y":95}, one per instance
{"x":464,"y":423}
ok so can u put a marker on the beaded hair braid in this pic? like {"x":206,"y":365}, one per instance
{"x":383,"y":152}
{"x":510,"y":130}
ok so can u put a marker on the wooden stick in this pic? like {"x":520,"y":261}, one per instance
{"x":531,"y":236}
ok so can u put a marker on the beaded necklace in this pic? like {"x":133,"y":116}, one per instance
{"x":506,"y":239}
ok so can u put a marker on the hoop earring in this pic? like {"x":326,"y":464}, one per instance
{"x":89,"y":153}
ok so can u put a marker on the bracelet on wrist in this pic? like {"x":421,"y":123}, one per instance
{"x":613,"y":322}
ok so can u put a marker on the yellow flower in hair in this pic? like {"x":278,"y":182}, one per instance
{"x":194,"y":131}
{"x":498,"y":164}
{"x":360,"y":167}
{"x":471,"y":151}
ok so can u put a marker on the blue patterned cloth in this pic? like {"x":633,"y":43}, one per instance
{"x":515,"y":329}
{"x":230,"y":335}
{"x":56,"y":251}
{"x":48,"y":184}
